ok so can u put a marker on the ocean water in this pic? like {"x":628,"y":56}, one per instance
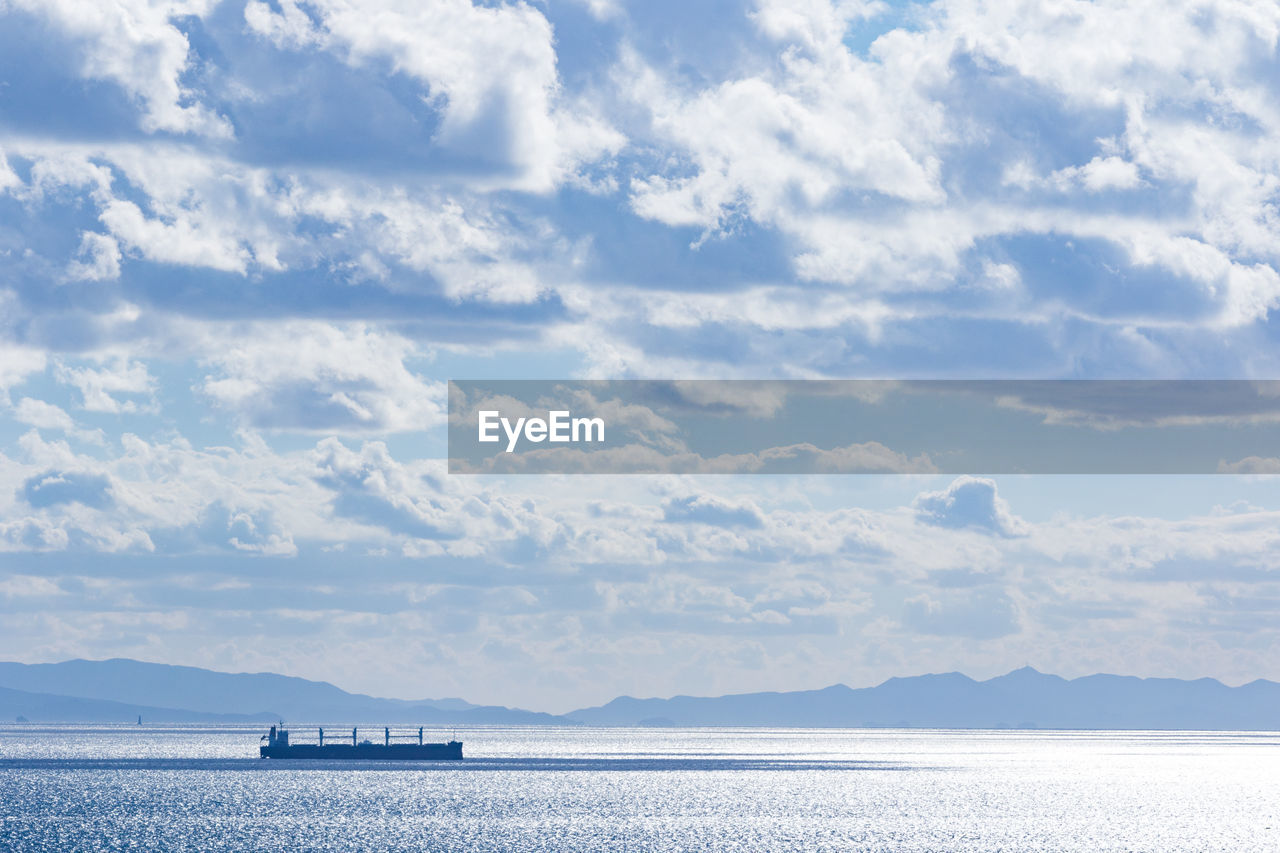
{"x":525,"y":789}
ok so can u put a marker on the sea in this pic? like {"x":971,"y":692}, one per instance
{"x":203,"y":788}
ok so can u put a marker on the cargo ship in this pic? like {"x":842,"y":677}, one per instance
{"x":277,"y":746}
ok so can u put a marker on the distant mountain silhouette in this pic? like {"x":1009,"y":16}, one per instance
{"x":1023,"y":698}
{"x":119,"y":690}
{"x":25,"y":707}
{"x":260,"y":695}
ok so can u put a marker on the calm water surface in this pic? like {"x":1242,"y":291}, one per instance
{"x":200,"y":788}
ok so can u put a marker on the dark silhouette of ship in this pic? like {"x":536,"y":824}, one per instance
{"x":277,"y":746}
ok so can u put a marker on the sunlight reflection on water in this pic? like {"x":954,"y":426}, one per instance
{"x":201,"y":788}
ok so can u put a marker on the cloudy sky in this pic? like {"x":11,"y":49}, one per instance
{"x":244,"y":245}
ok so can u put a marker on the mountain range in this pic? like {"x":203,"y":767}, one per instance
{"x":24,"y":706}
{"x":120,"y":690}
{"x":1023,"y":698}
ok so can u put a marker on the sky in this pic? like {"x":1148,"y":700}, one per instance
{"x":245,"y":245}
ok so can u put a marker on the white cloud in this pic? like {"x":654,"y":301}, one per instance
{"x":101,"y":258}
{"x":110,"y":387}
{"x":804,"y":128}
{"x":491,"y":70}
{"x":969,"y":503}
{"x":156,"y":496}
{"x":135,"y":44}
{"x":861,"y":161}
{"x":321,"y":378}
{"x":8,"y":179}
{"x":817,"y":24}
{"x":42,"y":415}
{"x":218,"y":214}
{"x":776,"y":153}
{"x":601,"y":10}
{"x":17,"y":364}
{"x":892,"y":178}
{"x":857,"y":167}
{"x":175,"y":243}
{"x":652,"y":563}
{"x":1099,"y":174}
{"x":373,"y":489}
{"x":28,"y":586}
{"x":291,"y":27}
{"x":32,"y":534}
{"x":466,"y":248}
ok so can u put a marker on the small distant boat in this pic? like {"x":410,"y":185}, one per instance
{"x":277,"y":746}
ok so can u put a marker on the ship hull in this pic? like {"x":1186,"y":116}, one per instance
{"x":367,"y":751}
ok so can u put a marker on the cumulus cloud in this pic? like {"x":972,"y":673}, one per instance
{"x":159,"y":497}
{"x":858,"y":190}
{"x":38,"y":413}
{"x":212,"y":213}
{"x":17,"y":363}
{"x":114,"y":387}
{"x":294,"y":209}
{"x":707,"y":509}
{"x":137,"y":45}
{"x":969,"y":502}
{"x":42,"y":415}
{"x":857,"y":156}
{"x":655,"y":563}
{"x":320,"y":377}
{"x":491,"y":70}
{"x":99,"y":258}
{"x":373,"y":489}
{"x":8,"y":178}
{"x":1100,"y":173}
{"x":246,"y":529}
